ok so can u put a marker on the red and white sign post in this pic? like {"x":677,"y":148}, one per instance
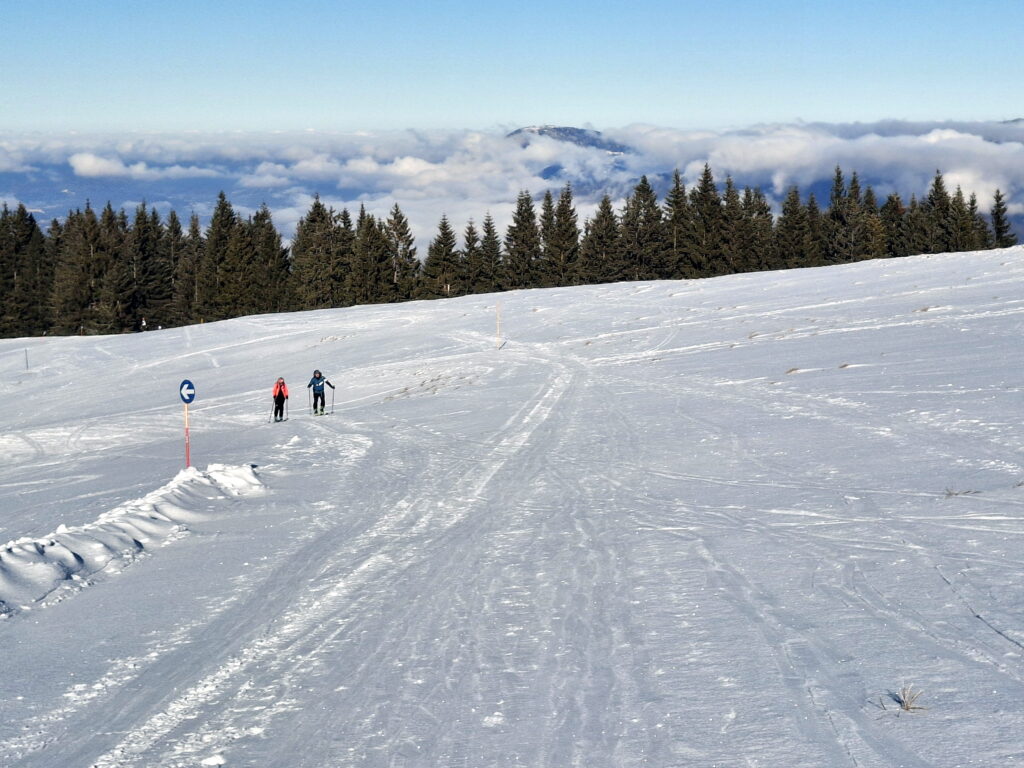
{"x":188,"y":393}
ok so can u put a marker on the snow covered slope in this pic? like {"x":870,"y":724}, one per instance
{"x":714,"y":523}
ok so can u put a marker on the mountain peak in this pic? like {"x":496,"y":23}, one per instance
{"x":583,"y":137}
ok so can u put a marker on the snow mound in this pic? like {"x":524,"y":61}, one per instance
{"x":41,"y":570}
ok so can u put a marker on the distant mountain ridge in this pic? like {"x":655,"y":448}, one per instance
{"x":581,"y":136}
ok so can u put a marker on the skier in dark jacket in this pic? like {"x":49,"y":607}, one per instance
{"x":280,"y":395}
{"x":317,"y":383}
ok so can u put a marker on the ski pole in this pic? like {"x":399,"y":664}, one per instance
{"x":271,"y":416}
{"x":309,"y":399}
{"x":332,"y":400}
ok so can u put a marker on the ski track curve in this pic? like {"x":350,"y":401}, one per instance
{"x":402,"y":536}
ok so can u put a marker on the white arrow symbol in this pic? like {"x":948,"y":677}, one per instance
{"x":187,"y":391}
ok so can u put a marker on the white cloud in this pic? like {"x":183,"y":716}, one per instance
{"x":466,"y":173}
{"x":89,"y":165}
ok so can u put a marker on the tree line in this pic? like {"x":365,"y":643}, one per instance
{"x":107,"y":272}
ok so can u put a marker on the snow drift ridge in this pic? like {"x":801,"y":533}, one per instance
{"x":32,"y":570}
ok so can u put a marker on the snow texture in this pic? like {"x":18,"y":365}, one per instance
{"x":728,"y":522}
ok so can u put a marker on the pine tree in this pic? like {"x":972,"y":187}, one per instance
{"x":894,"y":220}
{"x":183,"y":299}
{"x":816,"y":247}
{"x":706,"y":204}
{"x":964,"y":225}
{"x":757,"y":244}
{"x":371,"y":279}
{"x":174,"y":248}
{"x":441,"y":267}
{"x":210,"y":272}
{"x":918,"y":229}
{"x":643,"y":234}
{"x":938,"y":209}
{"x":601,"y":249}
{"x":792,"y":233}
{"x":491,"y":258}
{"x":343,"y":257}
{"x":151,"y":272}
{"x":734,"y":234}
{"x":114,"y":273}
{"x":272,"y":261}
{"x":857,"y":219}
{"x":876,"y":244}
{"x":316,"y":257}
{"x":563,"y":246}
{"x":982,"y":235}
{"x":54,"y":247}
{"x":839,"y":248}
{"x":25,"y":274}
{"x":544,"y":272}
{"x":243,"y":283}
{"x":679,"y":235}
{"x":1002,"y":231}
{"x":405,"y":267}
{"x":472,"y":259}
{"x":522,"y":244}
{"x":76,"y":279}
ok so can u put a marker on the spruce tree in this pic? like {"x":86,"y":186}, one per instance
{"x":894,"y":219}
{"x":679,"y":234}
{"x":243,"y":283}
{"x":183,"y":300}
{"x":758,"y":243}
{"x":147,"y":256}
{"x":405,"y":267}
{"x":563,"y":247}
{"x":982,"y":235}
{"x":522,"y":244}
{"x":792,"y":233}
{"x":371,"y":279}
{"x":76,"y":282}
{"x":343,"y":257}
{"x":174,"y":248}
{"x":642,"y":231}
{"x":601,"y":248}
{"x":441,"y":267}
{"x":54,"y":248}
{"x":8,"y":269}
{"x":857,"y":218}
{"x":816,"y":249}
{"x":918,"y":229}
{"x":876,"y":244}
{"x":492,"y":271}
{"x":544,"y":272}
{"x":840,"y":247}
{"x":706,"y":204}
{"x":115,"y":276}
{"x":272,"y":261}
{"x":210,"y":271}
{"x":938,"y":208}
{"x":25,"y":274}
{"x":472,"y":260}
{"x":734,"y":231}
{"x":1002,"y":232}
{"x":315,"y":257}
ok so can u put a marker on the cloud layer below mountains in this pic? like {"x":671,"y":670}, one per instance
{"x":466,"y":174}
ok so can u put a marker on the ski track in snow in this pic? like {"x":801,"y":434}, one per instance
{"x":301,"y":630}
{"x":709,"y":523}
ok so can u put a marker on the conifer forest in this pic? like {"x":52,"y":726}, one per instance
{"x":108,"y":271}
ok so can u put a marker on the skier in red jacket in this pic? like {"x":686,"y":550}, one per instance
{"x":280,"y":395}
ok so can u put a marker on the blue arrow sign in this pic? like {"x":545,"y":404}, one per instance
{"x":187,"y":391}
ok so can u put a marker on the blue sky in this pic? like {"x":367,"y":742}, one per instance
{"x":258,"y":65}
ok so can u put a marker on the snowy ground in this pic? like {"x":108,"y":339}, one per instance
{"x":714,"y":523}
